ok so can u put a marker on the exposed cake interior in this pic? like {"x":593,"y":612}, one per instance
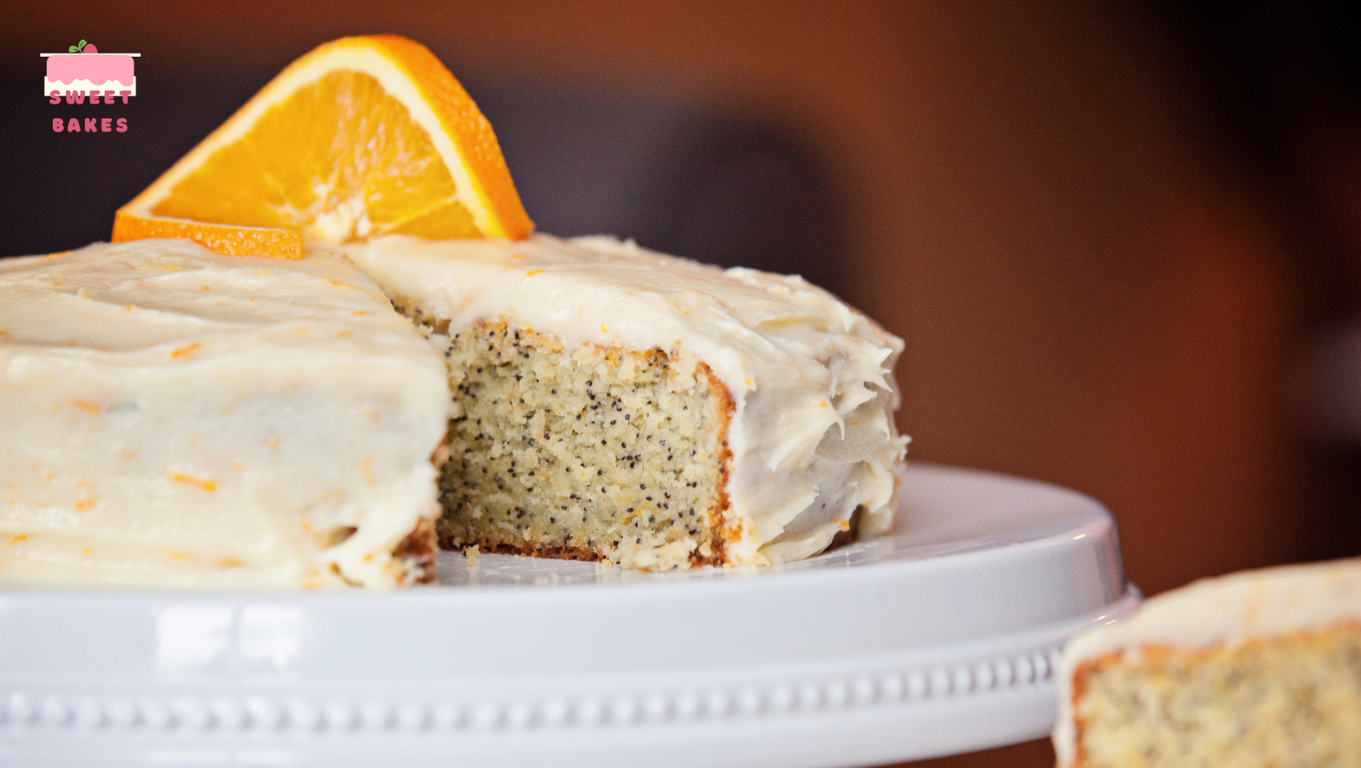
{"x":598,"y":454}
{"x":1285,"y":700}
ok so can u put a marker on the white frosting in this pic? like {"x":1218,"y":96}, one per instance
{"x":85,"y":86}
{"x":1211,"y":612}
{"x":174,"y":417}
{"x":812,"y":437}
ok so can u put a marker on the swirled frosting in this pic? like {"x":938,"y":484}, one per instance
{"x":174,"y":417}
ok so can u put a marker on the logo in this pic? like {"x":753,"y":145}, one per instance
{"x":84,"y":76}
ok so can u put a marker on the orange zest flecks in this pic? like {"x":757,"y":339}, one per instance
{"x":15,"y":538}
{"x":186,"y":350}
{"x":207,"y":485}
{"x":175,"y":554}
{"x":533,"y":272}
{"x":83,"y":504}
{"x":85,"y":405}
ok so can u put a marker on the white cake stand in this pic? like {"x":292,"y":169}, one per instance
{"x":939,"y":639}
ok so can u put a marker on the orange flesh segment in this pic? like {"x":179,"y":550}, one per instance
{"x":326,"y":150}
{"x":374,"y":174}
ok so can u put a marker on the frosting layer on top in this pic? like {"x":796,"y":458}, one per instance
{"x":175,"y":417}
{"x":812,"y":382}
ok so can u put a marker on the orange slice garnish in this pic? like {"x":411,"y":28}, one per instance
{"x":364,"y":136}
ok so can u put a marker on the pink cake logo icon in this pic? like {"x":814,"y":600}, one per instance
{"x":83,"y":70}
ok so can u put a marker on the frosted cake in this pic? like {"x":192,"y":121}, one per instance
{"x":175,"y":417}
{"x":615,"y":404}
{"x":1261,"y":668}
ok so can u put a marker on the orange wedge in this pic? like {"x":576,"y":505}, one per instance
{"x":364,"y":136}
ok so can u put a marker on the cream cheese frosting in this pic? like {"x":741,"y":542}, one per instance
{"x":1224,"y":611}
{"x":174,"y":417}
{"x":812,"y":438}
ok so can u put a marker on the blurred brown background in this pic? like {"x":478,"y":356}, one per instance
{"x":1121,"y":242}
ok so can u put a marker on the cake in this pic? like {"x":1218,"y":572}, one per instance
{"x":176,"y":417}
{"x":619,"y":405}
{"x":1261,"y":668}
{"x":581,"y":398}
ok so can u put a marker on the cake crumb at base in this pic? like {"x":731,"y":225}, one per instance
{"x":471,"y":555}
{"x":413,"y":560}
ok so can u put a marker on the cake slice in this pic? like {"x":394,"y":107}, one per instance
{"x":1261,"y":668}
{"x":175,"y":417}
{"x":615,"y":404}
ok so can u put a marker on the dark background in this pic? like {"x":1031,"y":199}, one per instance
{"x":1121,"y":241}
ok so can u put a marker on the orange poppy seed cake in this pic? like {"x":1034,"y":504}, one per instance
{"x":172,"y":417}
{"x":176,"y":416}
{"x":611,"y":403}
{"x":1260,"y":668}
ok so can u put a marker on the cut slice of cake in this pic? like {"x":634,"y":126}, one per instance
{"x":174,"y":417}
{"x":615,"y":404}
{"x":1261,"y":668}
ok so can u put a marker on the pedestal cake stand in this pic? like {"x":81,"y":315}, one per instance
{"x":940,"y":638}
